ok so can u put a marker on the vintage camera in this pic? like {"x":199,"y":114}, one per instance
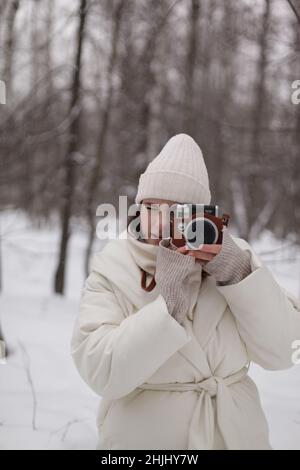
{"x":196,"y":224}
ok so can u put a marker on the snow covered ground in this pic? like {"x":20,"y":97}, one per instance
{"x":44,"y":404}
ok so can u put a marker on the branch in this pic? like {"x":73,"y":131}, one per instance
{"x":296,"y":12}
{"x":26,"y":360}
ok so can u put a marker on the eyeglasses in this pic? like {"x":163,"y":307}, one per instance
{"x":158,"y":207}
{"x":162,"y":210}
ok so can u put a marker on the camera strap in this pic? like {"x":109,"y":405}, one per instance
{"x":152,"y":283}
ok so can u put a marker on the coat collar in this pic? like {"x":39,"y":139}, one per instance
{"x":143,"y":253}
{"x":207,"y":303}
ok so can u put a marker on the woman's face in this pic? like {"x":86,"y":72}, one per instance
{"x":155,"y":219}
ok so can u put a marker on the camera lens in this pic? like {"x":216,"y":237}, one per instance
{"x":200,"y":231}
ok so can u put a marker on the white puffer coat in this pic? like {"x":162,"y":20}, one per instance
{"x":167,"y":386}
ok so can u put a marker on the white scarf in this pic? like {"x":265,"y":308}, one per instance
{"x":144,"y":255}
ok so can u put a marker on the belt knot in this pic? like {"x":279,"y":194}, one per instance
{"x":209,"y":385}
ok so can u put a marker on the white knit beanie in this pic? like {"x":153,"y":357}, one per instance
{"x":178,"y":173}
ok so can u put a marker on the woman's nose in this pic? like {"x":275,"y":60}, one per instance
{"x":164,"y":226}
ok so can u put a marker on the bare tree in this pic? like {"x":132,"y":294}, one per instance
{"x":255,"y":184}
{"x":103,"y":131}
{"x":73,"y":146}
{"x":9,"y":45}
{"x":295,"y":6}
{"x":191,"y":63}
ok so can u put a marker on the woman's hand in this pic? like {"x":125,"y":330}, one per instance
{"x":206,"y":253}
{"x":172,"y":279}
{"x":227,"y":262}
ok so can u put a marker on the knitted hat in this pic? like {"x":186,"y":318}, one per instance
{"x":178,"y":173}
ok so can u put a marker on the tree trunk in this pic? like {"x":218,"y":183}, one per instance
{"x":9,"y":47}
{"x":255,"y":183}
{"x":69,"y":161}
{"x":194,"y":14}
{"x":103,"y":132}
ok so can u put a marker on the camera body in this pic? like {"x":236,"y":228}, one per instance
{"x":197,"y":224}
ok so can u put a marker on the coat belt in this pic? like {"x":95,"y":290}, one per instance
{"x":201,"y":432}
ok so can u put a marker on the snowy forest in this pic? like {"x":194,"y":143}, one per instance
{"x":90,"y":90}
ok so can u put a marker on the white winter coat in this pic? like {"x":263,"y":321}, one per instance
{"x":167,"y":386}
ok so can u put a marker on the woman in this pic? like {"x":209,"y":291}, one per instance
{"x":165,"y":335}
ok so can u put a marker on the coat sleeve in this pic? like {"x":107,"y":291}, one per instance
{"x":115,"y":354}
{"x":267,"y":316}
